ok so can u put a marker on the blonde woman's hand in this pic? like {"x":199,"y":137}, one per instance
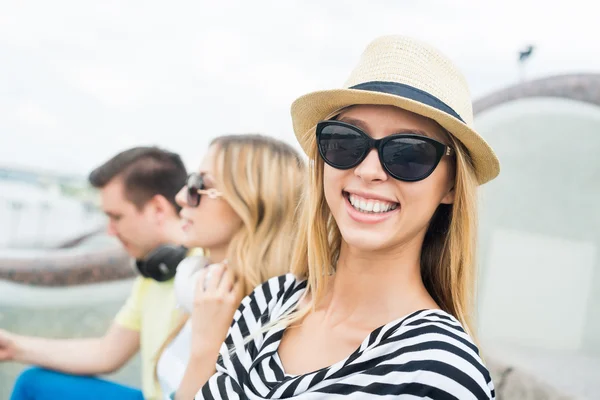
{"x":218,"y":294}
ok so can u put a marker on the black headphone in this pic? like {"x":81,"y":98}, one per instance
{"x":161,"y":263}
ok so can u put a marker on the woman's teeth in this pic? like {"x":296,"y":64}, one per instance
{"x":371,"y":206}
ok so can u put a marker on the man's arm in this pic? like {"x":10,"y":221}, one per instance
{"x":83,"y":356}
{"x":75,"y":356}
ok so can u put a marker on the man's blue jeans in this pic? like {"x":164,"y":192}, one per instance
{"x":42,"y":384}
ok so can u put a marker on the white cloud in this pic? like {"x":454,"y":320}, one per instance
{"x":113,"y":88}
{"x":34,"y":115}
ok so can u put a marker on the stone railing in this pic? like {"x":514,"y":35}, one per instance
{"x":66,"y":266}
{"x":580,"y":87}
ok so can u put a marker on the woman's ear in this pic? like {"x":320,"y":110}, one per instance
{"x":449,"y":197}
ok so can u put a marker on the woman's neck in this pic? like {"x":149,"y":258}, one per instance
{"x":373,"y":288}
{"x":217,"y":254}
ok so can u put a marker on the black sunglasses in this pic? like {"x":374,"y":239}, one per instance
{"x":196,"y":188}
{"x":406,"y":156}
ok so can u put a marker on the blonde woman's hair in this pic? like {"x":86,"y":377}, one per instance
{"x":261,"y":178}
{"x":447,"y":255}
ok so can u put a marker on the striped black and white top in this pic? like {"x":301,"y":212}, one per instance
{"x":425,"y":355}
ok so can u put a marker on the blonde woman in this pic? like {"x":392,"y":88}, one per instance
{"x":240,"y":207}
{"x":379,"y":303}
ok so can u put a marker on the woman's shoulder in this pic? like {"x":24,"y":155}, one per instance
{"x":278,"y":293}
{"x":438,"y":325}
{"x":279,"y":288}
{"x":435,"y":343}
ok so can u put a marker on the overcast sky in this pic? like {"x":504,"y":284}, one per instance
{"x":82,"y":80}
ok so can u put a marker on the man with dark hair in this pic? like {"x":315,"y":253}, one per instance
{"x":138,"y":188}
{"x":137,"y":191}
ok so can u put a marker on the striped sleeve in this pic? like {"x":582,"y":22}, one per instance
{"x":255,"y":309}
{"x":236,"y":354}
{"x":253,"y":313}
{"x":447,"y":360}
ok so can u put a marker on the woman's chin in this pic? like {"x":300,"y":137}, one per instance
{"x":364,"y":242}
{"x":189,"y":241}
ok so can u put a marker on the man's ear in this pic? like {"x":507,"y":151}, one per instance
{"x":160,"y":207}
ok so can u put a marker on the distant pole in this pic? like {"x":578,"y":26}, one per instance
{"x":42,"y":218}
{"x":521,"y":72}
{"x":524,"y":55}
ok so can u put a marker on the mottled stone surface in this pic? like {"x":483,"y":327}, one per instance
{"x":581,"y":87}
{"x":564,"y":373}
{"x":514,"y":384}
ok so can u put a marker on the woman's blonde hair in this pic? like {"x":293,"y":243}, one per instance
{"x":447,"y":255}
{"x":261,"y":178}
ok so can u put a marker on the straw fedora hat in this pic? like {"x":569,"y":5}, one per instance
{"x":402,"y":72}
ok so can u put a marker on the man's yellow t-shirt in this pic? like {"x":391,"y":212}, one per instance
{"x":150,"y":310}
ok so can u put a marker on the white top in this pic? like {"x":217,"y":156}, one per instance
{"x":173,"y":361}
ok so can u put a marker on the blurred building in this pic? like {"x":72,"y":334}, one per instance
{"x":539,"y":294}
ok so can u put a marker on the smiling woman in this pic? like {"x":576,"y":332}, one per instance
{"x":380,"y":299}
{"x":396,"y":156}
